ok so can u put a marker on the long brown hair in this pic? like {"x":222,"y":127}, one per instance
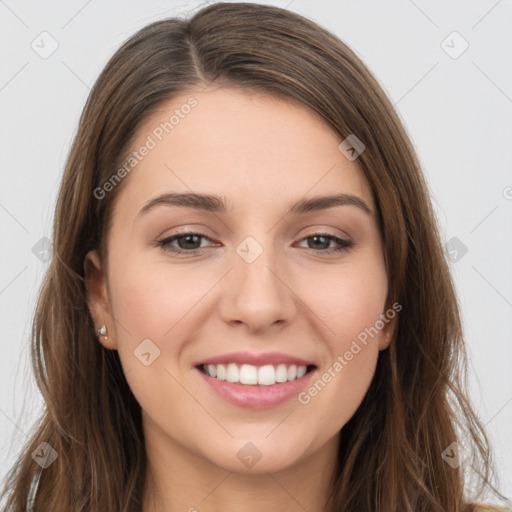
{"x":390,"y":456}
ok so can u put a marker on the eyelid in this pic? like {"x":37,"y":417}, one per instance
{"x":164,"y":242}
{"x":343,"y":244}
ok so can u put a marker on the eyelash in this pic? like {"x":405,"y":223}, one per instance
{"x":344,"y":245}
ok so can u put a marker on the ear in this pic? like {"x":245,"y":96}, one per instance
{"x":389,"y":317}
{"x":97,"y":298}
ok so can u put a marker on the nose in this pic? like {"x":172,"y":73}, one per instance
{"x":257,"y":295}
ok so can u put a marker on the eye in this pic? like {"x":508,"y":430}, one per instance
{"x":187,"y":242}
{"x":190,"y":242}
{"x":322,"y":241}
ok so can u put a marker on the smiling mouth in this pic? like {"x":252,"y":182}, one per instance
{"x":266,"y":375}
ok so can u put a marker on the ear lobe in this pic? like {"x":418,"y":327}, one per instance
{"x":96,"y":294}
{"x":386,"y":335}
{"x":388,"y":330}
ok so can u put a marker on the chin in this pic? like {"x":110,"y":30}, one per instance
{"x":259,"y":455}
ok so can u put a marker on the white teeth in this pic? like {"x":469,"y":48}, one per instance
{"x":248,"y":374}
{"x":232,"y":373}
{"x":281,"y":373}
{"x":212,"y":370}
{"x":266,"y":375}
{"x":221,"y":372}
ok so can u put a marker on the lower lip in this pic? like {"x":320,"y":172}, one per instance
{"x":256,"y":396}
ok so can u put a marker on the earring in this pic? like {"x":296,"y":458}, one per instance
{"x":102,"y":331}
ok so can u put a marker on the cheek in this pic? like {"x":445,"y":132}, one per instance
{"x":352,"y":347}
{"x":147,"y":311}
{"x":350,"y":305}
{"x":145,"y":308}
{"x":350,"y":302}
{"x":339,"y":390}
{"x":149,"y":302}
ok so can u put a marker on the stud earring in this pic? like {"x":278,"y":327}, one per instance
{"x":102,"y":331}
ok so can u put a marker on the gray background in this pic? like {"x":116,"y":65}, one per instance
{"x":457,"y":109}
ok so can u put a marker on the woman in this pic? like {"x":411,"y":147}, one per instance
{"x":244,"y":227}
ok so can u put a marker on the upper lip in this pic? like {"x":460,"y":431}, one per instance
{"x":256,"y":359}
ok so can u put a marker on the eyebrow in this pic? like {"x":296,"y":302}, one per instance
{"x":217,"y":204}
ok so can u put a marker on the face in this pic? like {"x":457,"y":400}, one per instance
{"x":244,"y":279}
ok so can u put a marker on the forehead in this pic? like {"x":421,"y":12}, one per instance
{"x":255,"y":149}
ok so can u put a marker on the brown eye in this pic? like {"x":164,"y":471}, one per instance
{"x":321,"y":242}
{"x":186,"y":242}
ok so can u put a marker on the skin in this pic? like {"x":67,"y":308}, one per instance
{"x":261,"y":153}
